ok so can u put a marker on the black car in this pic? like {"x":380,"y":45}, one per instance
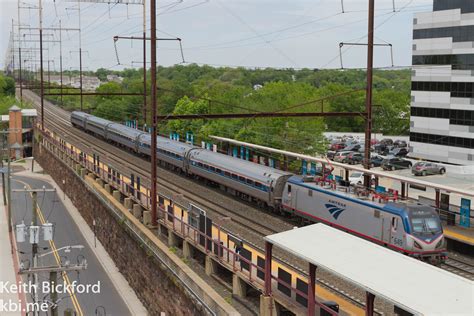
{"x":400,"y":143}
{"x":399,"y":152}
{"x":376,"y":161}
{"x":352,"y":147}
{"x":395,"y":163}
{"x":386,"y":141}
{"x":382,"y":148}
{"x":355,"y":158}
{"x":330,"y":154}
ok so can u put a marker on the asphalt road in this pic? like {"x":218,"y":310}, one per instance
{"x":66,"y":233}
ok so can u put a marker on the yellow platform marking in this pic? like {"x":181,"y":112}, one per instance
{"x":458,"y":236}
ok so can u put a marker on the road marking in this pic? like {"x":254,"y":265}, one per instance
{"x":74,"y":300}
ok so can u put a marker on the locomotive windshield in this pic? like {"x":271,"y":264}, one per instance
{"x":424,"y":221}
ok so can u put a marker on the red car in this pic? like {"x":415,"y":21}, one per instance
{"x":337,"y":146}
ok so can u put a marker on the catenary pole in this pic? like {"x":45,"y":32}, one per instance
{"x":368,"y":101}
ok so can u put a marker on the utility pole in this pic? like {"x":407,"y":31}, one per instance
{"x":153,"y":111}
{"x":61,"y":62}
{"x":53,"y":276}
{"x":368,"y":101}
{"x":41,"y":63}
{"x":35,"y":247}
{"x":80,"y":53}
{"x":19,"y":52}
{"x":144,"y":61}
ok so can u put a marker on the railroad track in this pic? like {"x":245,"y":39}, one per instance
{"x":135,"y":164}
{"x":461,"y":267}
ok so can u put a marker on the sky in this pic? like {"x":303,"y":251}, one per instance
{"x":258,"y":33}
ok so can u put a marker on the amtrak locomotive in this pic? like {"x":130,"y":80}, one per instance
{"x":409,"y":228}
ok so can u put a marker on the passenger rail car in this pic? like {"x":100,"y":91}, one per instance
{"x":408,"y":228}
{"x":405,"y":227}
{"x":255,"y":182}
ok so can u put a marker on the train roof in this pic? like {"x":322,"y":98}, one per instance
{"x":98,"y":120}
{"x":246,"y":168}
{"x":80,"y":114}
{"x":124,"y":130}
{"x":167,"y":144}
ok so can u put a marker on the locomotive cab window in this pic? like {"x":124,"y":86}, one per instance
{"x":289,"y":188}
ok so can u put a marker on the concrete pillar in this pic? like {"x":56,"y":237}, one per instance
{"x":146,"y":217}
{"x":172,"y":239}
{"x":210,"y":266}
{"x":116,"y":195}
{"x":137,"y":211}
{"x":128,"y":203}
{"x":188,"y":250}
{"x":83,"y":173}
{"x":239,"y":287}
{"x":108,"y":188}
{"x":100,"y":182}
{"x":267,"y":306}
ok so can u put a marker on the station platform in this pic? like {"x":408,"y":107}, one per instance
{"x":460,"y":234}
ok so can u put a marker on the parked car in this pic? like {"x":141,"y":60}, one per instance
{"x":358,"y":178}
{"x":425,"y":168}
{"x":386,"y":141}
{"x":395,"y":163}
{"x":376,"y":161}
{"x":399,"y":152}
{"x":342,"y":156}
{"x":355,"y":158}
{"x":337,"y":146}
{"x":400,"y":143}
{"x":383,"y":149}
{"x":352,"y":147}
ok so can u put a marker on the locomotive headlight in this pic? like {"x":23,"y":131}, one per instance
{"x":417,"y":245}
{"x":440,"y":243}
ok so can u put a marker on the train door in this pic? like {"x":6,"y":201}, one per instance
{"x":289,"y":194}
{"x":396,"y":232}
{"x":385,"y":229}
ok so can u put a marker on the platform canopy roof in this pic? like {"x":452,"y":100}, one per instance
{"x":410,"y":284}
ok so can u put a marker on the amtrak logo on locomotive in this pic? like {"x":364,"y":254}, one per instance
{"x":335,"y":208}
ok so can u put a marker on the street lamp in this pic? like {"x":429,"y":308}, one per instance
{"x":66,"y":249}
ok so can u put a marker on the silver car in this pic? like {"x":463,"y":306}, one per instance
{"x":426,"y":168}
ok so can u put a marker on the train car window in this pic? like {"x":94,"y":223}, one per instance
{"x":394,"y":224}
{"x":212,"y":168}
{"x":310,"y":192}
{"x":200,"y":164}
{"x":227,"y":174}
{"x":234,"y":176}
{"x":289,"y":188}
{"x":206,"y":166}
{"x":258,"y":184}
{"x":218,"y":170}
{"x":249,"y":182}
{"x":241,"y":179}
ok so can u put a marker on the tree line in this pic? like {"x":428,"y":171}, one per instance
{"x":194,"y":89}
